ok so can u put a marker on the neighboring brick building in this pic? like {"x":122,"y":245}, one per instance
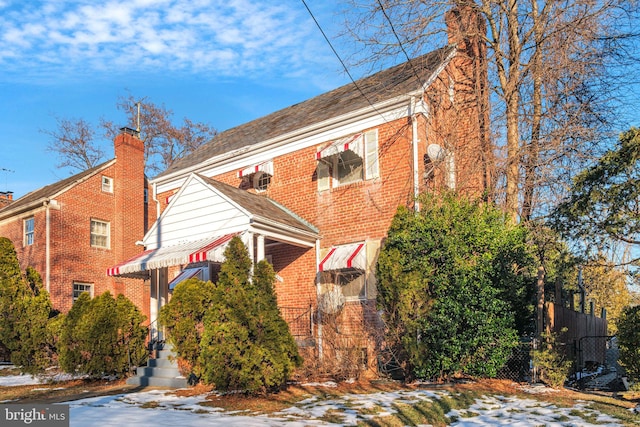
{"x":313,"y":188}
{"x":73,"y":230}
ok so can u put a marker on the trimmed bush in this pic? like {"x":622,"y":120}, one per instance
{"x":183,"y":318}
{"x":230,"y":333}
{"x":102,"y":336}
{"x":246,"y":344}
{"x":26,"y":310}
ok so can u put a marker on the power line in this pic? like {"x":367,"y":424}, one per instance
{"x":415,"y":73}
{"x":340,"y":59}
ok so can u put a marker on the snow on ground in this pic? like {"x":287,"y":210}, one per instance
{"x":25,"y":379}
{"x":163,"y":408}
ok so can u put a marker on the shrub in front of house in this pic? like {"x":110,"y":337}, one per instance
{"x":244,"y":344}
{"x":102,"y":336}
{"x":454,"y":281}
{"x":183,"y":319}
{"x":26,"y":310}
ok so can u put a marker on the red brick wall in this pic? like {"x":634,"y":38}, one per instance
{"x":72,"y":257}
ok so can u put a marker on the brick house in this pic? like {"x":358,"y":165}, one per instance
{"x":313,"y":188}
{"x":73,"y":230}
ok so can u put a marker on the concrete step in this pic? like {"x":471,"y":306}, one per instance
{"x":158,"y":382}
{"x":160,"y":372}
{"x":161,"y":363}
{"x":165,"y":354}
{"x":150,"y":371}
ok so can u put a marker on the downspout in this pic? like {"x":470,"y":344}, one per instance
{"x":414,"y":142}
{"x":319,"y":315}
{"x":47,"y":250}
{"x":48,"y":204}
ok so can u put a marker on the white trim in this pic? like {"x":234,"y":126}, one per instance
{"x":311,"y":136}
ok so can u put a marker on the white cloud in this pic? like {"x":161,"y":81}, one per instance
{"x":223,"y":37}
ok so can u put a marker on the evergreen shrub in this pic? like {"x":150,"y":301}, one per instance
{"x":102,"y":336}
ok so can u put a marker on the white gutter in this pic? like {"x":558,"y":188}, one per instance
{"x":48,"y":204}
{"x":47,"y":269}
{"x":319,"y":315}
{"x":414,"y":143}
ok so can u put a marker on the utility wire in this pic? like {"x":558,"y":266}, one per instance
{"x":340,"y":59}
{"x":415,"y":73}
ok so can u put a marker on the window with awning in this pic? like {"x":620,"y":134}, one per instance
{"x":348,"y":160}
{"x":258,"y":175}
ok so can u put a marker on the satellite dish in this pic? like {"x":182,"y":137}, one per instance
{"x":436,"y":153}
{"x":331,"y":301}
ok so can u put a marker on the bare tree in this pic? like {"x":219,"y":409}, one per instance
{"x":73,"y":141}
{"x":553,"y":68}
{"x":164,"y":142}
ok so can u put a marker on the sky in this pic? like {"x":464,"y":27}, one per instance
{"x":218,"y":62}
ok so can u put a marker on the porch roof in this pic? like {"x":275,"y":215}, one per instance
{"x":209,"y":249}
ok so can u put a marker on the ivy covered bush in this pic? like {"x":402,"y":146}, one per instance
{"x":102,"y":336}
{"x":244,"y":344}
{"x":454,"y":284}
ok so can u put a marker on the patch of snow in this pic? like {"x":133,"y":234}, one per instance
{"x":15,"y":380}
{"x":324,"y":384}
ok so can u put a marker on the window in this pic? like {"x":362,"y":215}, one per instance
{"x":354,"y":286}
{"x":28,"y":226}
{"x":146,"y":196}
{"x":99,"y":234}
{"x":107,"y":184}
{"x":80,"y":287}
{"x":349,"y":160}
{"x":261,"y":181}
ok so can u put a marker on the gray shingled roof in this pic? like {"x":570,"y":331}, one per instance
{"x":35,"y":197}
{"x":261,"y":206}
{"x":387,"y":84}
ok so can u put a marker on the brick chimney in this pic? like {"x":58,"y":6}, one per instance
{"x":467,"y":29}
{"x":129,"y":185}
{"x":6,"y":198}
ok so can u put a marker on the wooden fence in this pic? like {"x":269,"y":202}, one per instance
{"x":583,"y":335}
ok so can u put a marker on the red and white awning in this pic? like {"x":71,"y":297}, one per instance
{"x":266,"y":167}
{"x":210,"y":249}
{"x":345,"y":256}
{"x":353,"y":143}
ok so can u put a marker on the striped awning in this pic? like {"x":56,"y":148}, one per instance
{"x":352,"y":256}
{"x":211,"y":249}
{"x":353,"y":143}
{"x":266,"y":167}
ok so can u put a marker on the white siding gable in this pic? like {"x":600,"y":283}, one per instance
{"x":196,"y":212}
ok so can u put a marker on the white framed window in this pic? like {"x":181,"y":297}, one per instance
{"x":107,"y":184}
{"x":348,"y":165}
{"x":81,"y":287}
{"x":261,"y":181}
{"x":29,"y":227}
{"x":100,"y":234}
